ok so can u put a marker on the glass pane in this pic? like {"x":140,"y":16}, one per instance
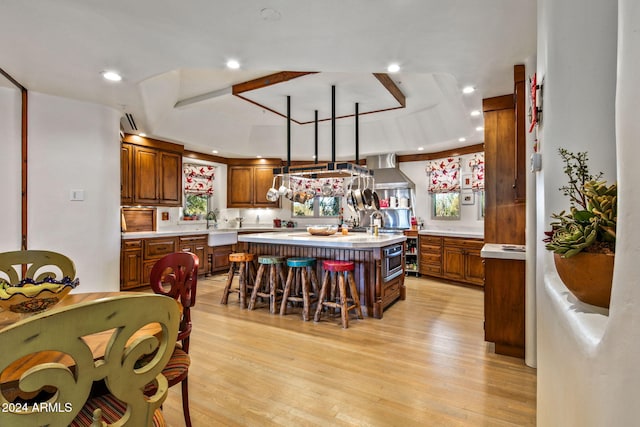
{"x":303,"y":209}
{"x":195,"y":204}
{"x":328,"y":206}
{"x":446,"y":205}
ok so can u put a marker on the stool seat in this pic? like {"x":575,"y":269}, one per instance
{"x":301,"y":262}
{"x":335,"y":265}
{"x":241,"y":257}
{"x":270,"y":259}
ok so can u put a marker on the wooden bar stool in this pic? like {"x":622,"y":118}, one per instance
{"x":244,"y":262}
{"x":274,"y":286}
{"x":342,"y":271}
{"x":301,"y":272}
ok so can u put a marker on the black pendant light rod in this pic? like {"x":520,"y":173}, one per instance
{"x":333,"y":124}
{"x":316,"y":139}
{"x":288,"y":131}
{"x":357,"y":136}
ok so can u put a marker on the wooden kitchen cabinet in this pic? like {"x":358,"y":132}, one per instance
{"x":504,"y":305}
{"x":150,"y":175}
{"x":197,"y":245}
{"x":452,"y":258}
{"x":220,"y":257}
{"x":247,"y":186}
{"x":130,"y":264}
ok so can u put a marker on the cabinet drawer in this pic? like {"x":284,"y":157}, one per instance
{"x":430,"y":249}
{"x":390,"y":292}
{"x":187,"y":240}
{"x":463,"y":243}
{"x":157,"y":248}
{"x":430,"y":269}
{"x":128,"y":245}
{"x":432,"y":240}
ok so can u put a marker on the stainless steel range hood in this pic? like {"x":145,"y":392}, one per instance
{"x":387,"y":174}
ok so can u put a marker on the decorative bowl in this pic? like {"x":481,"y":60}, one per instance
{"x":322,"y":230}
{"x":29,"y":296}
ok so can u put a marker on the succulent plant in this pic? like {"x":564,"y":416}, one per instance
{"x":590,"y":225}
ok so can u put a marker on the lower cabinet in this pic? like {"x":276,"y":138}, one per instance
{"x":452,"y":258}
{"x":220,"y":258}
{"x":504,"y":303}
{"x":138,"y":256}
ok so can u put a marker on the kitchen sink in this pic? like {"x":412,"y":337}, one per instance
{"x":221,"y":238}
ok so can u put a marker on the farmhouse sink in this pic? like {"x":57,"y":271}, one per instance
{"x":221,"y":238}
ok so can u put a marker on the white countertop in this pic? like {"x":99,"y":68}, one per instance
{"x":302,"y":238}
{"x":172,"y":233}
{"x":500,"y":251}
{"x":454,"y":233}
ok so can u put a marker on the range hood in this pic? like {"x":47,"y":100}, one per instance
{"x":387,"y":174}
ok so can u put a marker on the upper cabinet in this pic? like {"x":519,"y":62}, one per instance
{"x":151,"y":172}
{"x":247,"y":185}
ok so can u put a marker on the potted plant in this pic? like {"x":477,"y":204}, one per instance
{"x":583,"y":239}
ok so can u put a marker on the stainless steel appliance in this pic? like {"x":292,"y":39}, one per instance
{"x":393,"y":187}
{"x":392,"y":262}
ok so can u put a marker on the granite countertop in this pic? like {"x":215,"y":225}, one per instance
{"x":454,"y":233}
{"x":302,"y":238}
{"x":503,"y":251}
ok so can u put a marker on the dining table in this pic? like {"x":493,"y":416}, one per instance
{"x":97,"y":343}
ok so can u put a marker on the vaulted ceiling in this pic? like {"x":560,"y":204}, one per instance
{"x":169,"y":51}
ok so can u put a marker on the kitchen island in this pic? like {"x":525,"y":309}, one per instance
{"x":379,"y":260}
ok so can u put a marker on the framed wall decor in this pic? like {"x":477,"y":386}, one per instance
{"x":466,"y":180}
{"x":467,"y":198}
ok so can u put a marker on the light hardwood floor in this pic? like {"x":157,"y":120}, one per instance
{"x":424,"y":364}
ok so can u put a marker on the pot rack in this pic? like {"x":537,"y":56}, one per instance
{"x":326,"y":170}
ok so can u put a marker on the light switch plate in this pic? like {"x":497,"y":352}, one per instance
{"x":536,"y":162}
{"x":77,"y":195}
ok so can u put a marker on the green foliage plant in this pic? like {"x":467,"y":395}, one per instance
{"x":590,"y":224}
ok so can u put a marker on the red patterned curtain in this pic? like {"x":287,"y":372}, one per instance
{"x":477,"y":172}
{"x":198,"y":179}
{"x":443,"y":175}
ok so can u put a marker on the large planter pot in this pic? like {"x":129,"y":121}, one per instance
{"x":588,"y":276}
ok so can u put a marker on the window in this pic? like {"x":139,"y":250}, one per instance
{"x":196,"y":204}
{"x":445,"y":205}
{"x":318,"y":207}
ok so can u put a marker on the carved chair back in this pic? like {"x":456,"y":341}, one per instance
{"x":62,"y":388}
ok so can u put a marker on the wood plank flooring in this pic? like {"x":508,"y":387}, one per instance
{"x":424,"y":364}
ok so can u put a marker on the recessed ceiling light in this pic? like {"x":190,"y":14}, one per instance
{"x":480,"y":128}
{"x":468,"y":89}
{"x":475,"y":113}
{"x":393,"y":68}
{"x":313,"y":157}
{"x":112,"y":76}
{"x":142,"y":134}
{"x":233,"y":64}
{"x":420,"y":148}
{"x":215,"y":151}
{"x":462,"y":139}
{"x":258,"y":156}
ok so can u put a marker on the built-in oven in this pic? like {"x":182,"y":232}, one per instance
{"x":392,"y":262}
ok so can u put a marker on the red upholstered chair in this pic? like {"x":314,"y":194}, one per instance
{"x":176,"y":275}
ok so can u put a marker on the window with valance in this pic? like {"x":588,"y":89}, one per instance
{"x":198,"y":179}
{"x":476,"y":164}
{"x":444,"y":175}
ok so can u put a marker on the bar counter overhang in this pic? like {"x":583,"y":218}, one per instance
{"x":365,"y":250}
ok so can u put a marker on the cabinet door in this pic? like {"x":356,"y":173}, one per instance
{"x":474,"y":267}
{"x":504,"y":299}
{"x":126,"y":174}
{"x":239,"y":186}
{"x":263,"y":179}
{"x":170,"y":179}
{"x":453,"y":262}
{"x":130,"y":275}
{"x":221,"y":258}
{"x":145,"y":175}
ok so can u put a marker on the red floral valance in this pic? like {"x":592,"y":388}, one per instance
{"x":319,"y":186}
{"x":198,"y":179}
{"x":477,"y":172}
{"x":443,"y":175}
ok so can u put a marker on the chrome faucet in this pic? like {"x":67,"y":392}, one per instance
{"x":376,"y":215}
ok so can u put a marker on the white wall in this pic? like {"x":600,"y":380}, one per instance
{"x":10,"y":168}
{"x":588,"y":373}
{"x":75,"y":145}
